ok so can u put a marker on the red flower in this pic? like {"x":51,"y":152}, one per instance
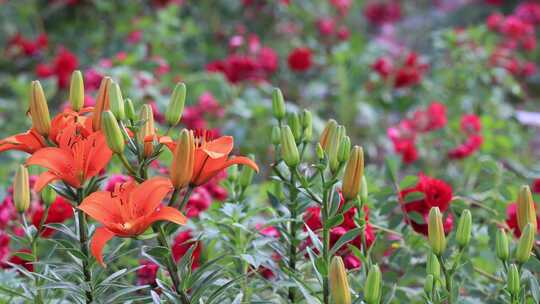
{"x":383,"y":66}
{"x":182,"y":243}
{"x":433,"y":118}
{"x":511,"y":220}
{"x":326,"y":26}
{"x":536,"y":186}
{"x":148,"y":273}
{"x":471,"y":145}
{"x":494,"y":21}
{"x":199,"y":201}
{"x":379,"y":13}
{"x":59,"y":211}
{"x":19,"y":44}
{"x":436,"y":193}
{"x":300,"y":59}
{"x":470,"y":124}
{"x":342,"y":6}
{"x":14,"y":259}
{"x":61,"y":67}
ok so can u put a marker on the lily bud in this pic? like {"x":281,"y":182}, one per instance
{"x":372,"y":287}
{"x":433,"y":267}
{"x":176,"y":104}
{"x":331,"y":125}
{"x":278,"y":104}
{"x":289,"y":150}
{"x":525,"y":244}
{"x":354,"y":171}
{"x":428,"y":284}
{"x":333,"y":148}
{"x":276,"y":136}
{"x":48,"y":196}
{"x":117,"y":102}
{"x":526,"y":212}
{"x":319,"y":151}
{"x":21,"y":189}
{"x":293,"y":120}
{"x":364,"y":189}
{"x":76,"y":91}
{"x":148,"y":131}
{"x":513,"y":280}
{"x":307,"y":123}
{"x":183,"y":160}
{"x":339,"y":285}
{"x":102,"y":102}
{"x":501,"y":245}
{"x":344,"y":149}
{"x":246,"y":176}
{"x":39,"y":111}
{"x":436,"y":235}
{"x":463,"y":233}
{"x":113,"y":134}
{"x":130,"y":109}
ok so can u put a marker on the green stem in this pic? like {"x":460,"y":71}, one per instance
{"x":293,"y":192}
{"x":83,"y":240}
{"x":187,"y":195}
{"x":326,"y":246}
{"x":447,"y":279}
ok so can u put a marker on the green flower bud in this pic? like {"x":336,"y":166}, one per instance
{"x":76,"y":91}
{"x":372,"y":287}
{"x":293,"y":120}
{"x":130,"y":110}
{"x":276,"y":136}
{"x":289,"y":150}
{"x":113,"y":135}
{"x":117,"y":102}
{"x":526,"y":212}
{"x":278,"y":104}
{"x":428,"y":284}
{"x":330,"y":127}
{"x":320,"y":151}
{"x":307,"y":119}
{"x":39,"y":110}
{"x":525,"y":244}
{"x":21,"y":189}
{"x":334,"y":148}
{"x":246,"y":176}
{"x":354,"y":171}
{"x":437,"y":239}
{"x":513,"y":280}
{"x":48,"y":195}
{"x":339,"y":285}
{"x":501,"y":245}
{"x":176,"y":104}
{"x":463,"y":233}
{"x":344,"y":149}
{"x":433,"y":267}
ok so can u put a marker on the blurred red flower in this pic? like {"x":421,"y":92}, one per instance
{"x":300,"y":59}
{"x":182,"y":243}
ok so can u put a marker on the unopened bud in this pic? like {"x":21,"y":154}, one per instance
{"x":526,"y":212}
{"x":39,"y":111}
{"x":148,"y":131}
{"x":276,"y":136}
{"x":344,"y":149}
{"x":433,"y":267}
{"x":246,"y":176}
{"x":333,"y":148}
{"x":293,"y":119}
{"x":525,"y":244}
{"x":130,"y":110}
{"x":339,"y":285}
{"x":437,"y":239}
{"x":428,"y":284}
{"x":176,"y":104}
{"x":330,"y":127}
{"x":307,"y":124}
{"x":117,"y":102}
{"x":48,"y":196}
{"x":463,"y":233}
{"x":320,"y":151}
{"x":102,"y":102}
{"x":289,"y":150}
{"x":501,"y":245}
{"x":183,"y":160}
{"x":354,"y":171}
{"x":76,"y":91}
{"x":278,"y":104}
{"x":513,"y":283}
{"x":372,"y":287}
{"x":113,"y":134}
{"x":21,"y":189}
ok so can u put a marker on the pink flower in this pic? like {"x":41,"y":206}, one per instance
{"x":182,"y":243}
{"x":326,"y":26}
{"x":134,"y":37}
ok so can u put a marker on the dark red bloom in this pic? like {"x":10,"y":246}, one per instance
{"x":471,"y":145}
{"x":470,"y":124}
{"x":19,"y":44}
{"x":182,"y":243}
{"x":61,"y":67}
{"x":436,"y":193}
{"x":300,"y":59}
{"x":536,"y":186}
{"x":433,"y":118}
{"x":511,"y":220}
{"x":379,"y":13}
{"x":148,"y":273}
{"x":59,"y":211}
{"x":383,"y":66}
{"x":17,"y":260}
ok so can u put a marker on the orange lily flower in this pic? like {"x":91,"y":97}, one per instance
{"x":80,"y":155}
{"x":128,"y":211}
{"x":31,"y":141}
{"x":211,"y":157}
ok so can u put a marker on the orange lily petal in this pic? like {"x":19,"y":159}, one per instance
{"x":98,"y":154}
{"x":167,"y":141}
{"x":211,"y":167}
{"x":44,"y":179}
{"x":54,"y":159}
{"x":102,"y":207}
{"x":219,"y":147}
{"x":148,"y":195}
{"x":101,"y":236}
{"x":28,"y":142}
{"x":166,"y":213}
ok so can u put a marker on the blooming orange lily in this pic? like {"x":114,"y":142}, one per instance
{"x":128,"y":211}
{"x":81,"y":154}
{"x":211,"y":157}
{"x":31,"y":141}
